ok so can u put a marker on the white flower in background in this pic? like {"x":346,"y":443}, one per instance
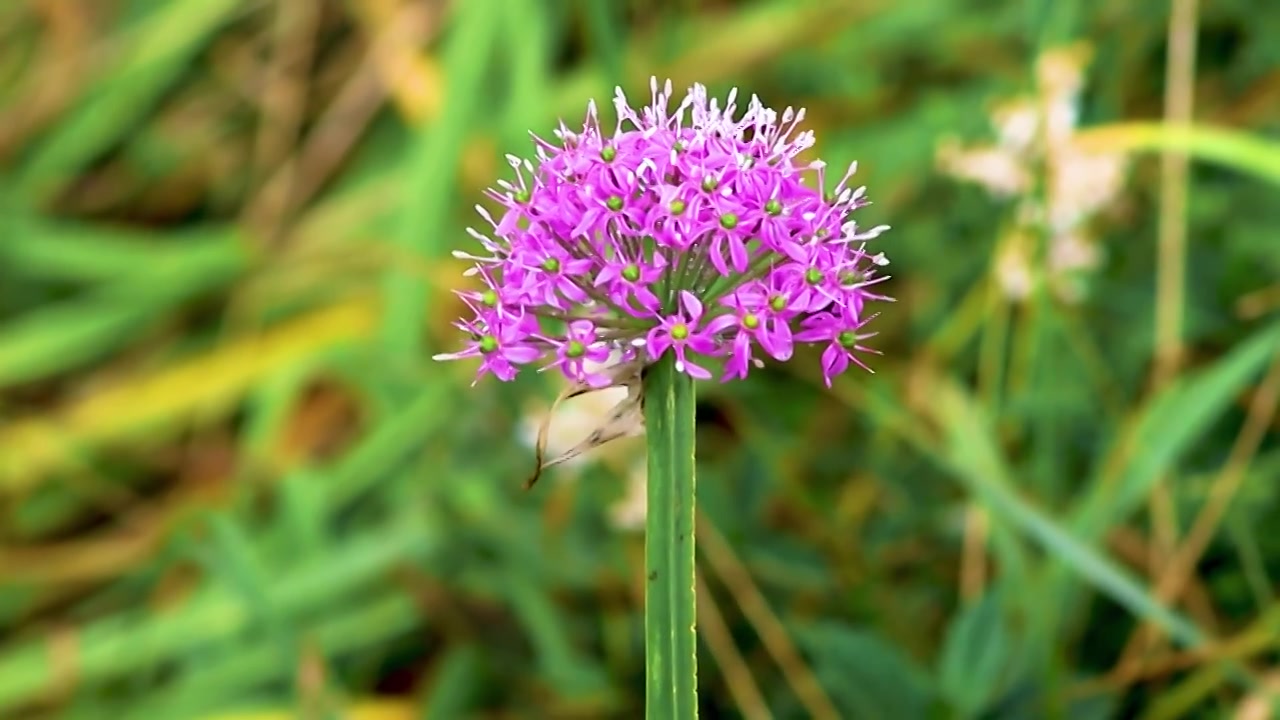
{"x":1016,"y":126}
{"x":1035,"y":138}
{"x":628,"y":512}
{"x":1013,"y":271}
{"x":1082,"y":184}
{"x":1073,"y":251}
{"x":1001,"y":172}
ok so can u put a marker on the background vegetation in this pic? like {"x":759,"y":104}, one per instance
{"x":232,"y":483}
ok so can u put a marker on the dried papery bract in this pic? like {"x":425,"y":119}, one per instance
{"x":626,"y":419}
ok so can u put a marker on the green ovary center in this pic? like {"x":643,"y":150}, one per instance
{"x":677,"y":207}
{"x":575,"y":349}
{"x":773,"y":207}
{"x":631,"y":272}
{"x":488,"y":344}
{"x":679,"y":331}
{"x":847,"y":339}
{"x":850,"y":278}
{"x":728,"y":221}
{"x":778,"y":303}
{"x":813,"y":276}
{"x":551,"y":265}
{"x":750,"y":321}
{"x":608,"y":154}
{"x":614,"y":203}
{"x":489,"y":298}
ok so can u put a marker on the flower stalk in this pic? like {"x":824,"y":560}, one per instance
{"x":670,"y":638}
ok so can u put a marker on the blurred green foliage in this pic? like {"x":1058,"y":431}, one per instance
{"x":234,"y":485}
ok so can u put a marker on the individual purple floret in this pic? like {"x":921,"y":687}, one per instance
{"x":682,"y":230}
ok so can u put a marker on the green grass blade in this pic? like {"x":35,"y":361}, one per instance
{"x":528,"y":35}
{"x":231,"y":558}
{"x":671,"y":662}
{"x":1167,"y":428}
{"x":223,"y":682}
{"x":430,"y":164}
{"x":977,"y":656}
{"x":456,"y":685}
{"x":394,"y":440}
{"x":1170,"y":426}
{"x":125,"y":644}
{"x":157,"y":54}
{"x":62,"y":336}
{"x":607,"y":41}
{"x":91,"y":254}
{"x":883,"y":407}
{"x":546,"y":625}
{"x":987,"y":475}
{"x":1242,"y":151}
{"x":59,"y":337}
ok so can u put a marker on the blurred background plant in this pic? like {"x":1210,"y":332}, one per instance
{"x":234,"y":485}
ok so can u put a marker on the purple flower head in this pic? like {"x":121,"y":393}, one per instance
{"x":681,"y":229}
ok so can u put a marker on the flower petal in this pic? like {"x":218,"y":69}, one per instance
{"x":692,"y":305}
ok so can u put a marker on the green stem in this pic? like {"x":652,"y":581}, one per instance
{"x":671,"y":663}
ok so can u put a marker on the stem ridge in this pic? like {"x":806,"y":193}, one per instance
{"x":671,"y":662}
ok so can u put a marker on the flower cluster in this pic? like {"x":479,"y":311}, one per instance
{"x":699,"y":238}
